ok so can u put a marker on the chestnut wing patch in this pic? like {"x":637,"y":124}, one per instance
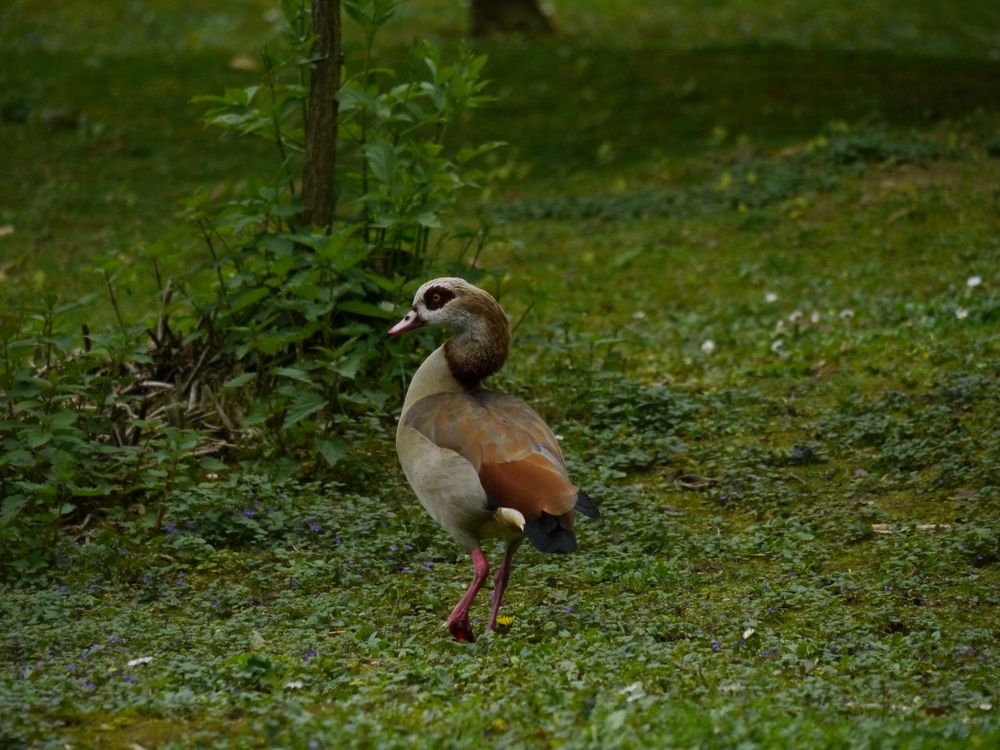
{"x":517,"y":457}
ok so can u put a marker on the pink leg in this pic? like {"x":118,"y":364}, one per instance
{"x":500,"y":581}
{"x":458,"y":621}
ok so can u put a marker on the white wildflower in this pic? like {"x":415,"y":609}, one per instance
{"x":847,"y":313}
{"x":794,"y":316}
{"x":973,"y":281}
{"x":634,"y":692}
{"x":140,"y":660}
{"x":708,"y":346}
{"x":778,"y":343}
{"x":770,"y":297}
{"x":293,"y":685}
{"x":748,"y":632}
{"x":639,"y":315}
{"x":814,"y":318}
{"x":961,"y":313}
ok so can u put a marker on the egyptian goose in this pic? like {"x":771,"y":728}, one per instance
{"x":482,"y":463}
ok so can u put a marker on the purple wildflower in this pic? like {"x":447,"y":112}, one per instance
{"x":171,"y":528}
{"x":70,"y":667}
{"x":309,"y":654}
{"x":315,"y":526}
{"x":248,"y":512}
{"x":130,"y":679}
{"x":716,"y":645}
{"x":63,"y":590}
{"x":427,"y":564}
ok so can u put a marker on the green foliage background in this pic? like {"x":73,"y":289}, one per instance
{"x":800,"y":537}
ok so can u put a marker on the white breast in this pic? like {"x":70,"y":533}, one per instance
{"x":446,"y":485}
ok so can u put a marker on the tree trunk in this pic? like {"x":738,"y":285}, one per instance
{"x":321,"y":118}
{"x":490,"y":16}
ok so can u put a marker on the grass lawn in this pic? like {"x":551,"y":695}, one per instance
{"x":756,"y":250}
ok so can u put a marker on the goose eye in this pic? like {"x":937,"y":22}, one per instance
{"x":436,"y":298}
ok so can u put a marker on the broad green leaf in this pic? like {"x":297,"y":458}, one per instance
{"x":280,"y":245}
{"x":208,"y":463}
{"x":17,"y":458}
{"x":366,"y":308}
{"x":250,"y":297}
{"x":429,"y":219}
{"x":11,"y":507}
{"x":343,"y":250}
{"x":304,"y":404}
{"x":238,"y":381}
{"x":64,"y":419}
{"x":268,"y":344}
{"x":467,"y":154}
{"x":382,"y":161}
{"x":38,"y":437}
{"x":347,"y":367}
{"x":291,"y":372}
{"x":333,"y":450}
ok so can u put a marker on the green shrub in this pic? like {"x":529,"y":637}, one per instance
{"x":273,"y":344}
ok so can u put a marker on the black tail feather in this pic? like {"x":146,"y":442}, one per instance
{"x":547,"y":535}
{"x":586,"y":505}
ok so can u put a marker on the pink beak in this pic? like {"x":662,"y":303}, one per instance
{"x":408,"y":323}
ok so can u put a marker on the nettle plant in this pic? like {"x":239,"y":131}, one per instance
{"x":300,"y":312}
{"x":273,"y":345}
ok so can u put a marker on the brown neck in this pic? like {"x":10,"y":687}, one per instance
{"x":480,"y":348}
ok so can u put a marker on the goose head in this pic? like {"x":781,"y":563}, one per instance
{"x":448,"y":302}
{"x":481,"y":330}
